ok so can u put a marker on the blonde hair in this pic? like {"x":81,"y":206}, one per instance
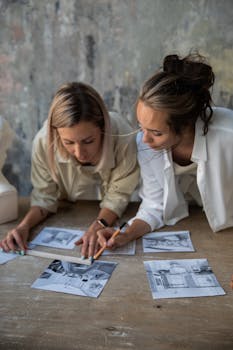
{"x":75,"y":102}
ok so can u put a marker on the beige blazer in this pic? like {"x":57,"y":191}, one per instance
{"x":113,"y":184}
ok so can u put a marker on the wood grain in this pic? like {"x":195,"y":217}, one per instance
{"x":124,"y":316}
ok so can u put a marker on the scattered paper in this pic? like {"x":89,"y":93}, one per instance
{"x":176,"y":241}
{"x":75,"y":278}
{"x":181,"y":278}
{"x":127,"y":249}
{"x":5,"y":257}
{"x":57,"y":237}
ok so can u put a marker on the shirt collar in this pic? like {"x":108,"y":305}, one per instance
{"x":199,"y":147}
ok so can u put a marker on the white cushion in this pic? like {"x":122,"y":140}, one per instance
{"x":6,"y":138}
{"x":8,"y":201}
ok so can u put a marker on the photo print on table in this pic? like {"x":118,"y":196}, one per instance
{"x":78,"y":279}
{"x":5,"y":257}
{"x":57,"y":237}
{"x":175,"y":241}
{"x":181,"y":278}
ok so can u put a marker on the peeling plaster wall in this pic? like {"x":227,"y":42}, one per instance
{"x":112,"y":44}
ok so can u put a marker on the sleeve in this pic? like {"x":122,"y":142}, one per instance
{"x":151,"y":189}
{"x":45,"y":190}
{"x":124,"y":178}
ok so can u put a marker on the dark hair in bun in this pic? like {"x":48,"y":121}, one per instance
{"x":181,"y":87}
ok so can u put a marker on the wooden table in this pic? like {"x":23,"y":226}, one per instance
{"x":124,"y":316}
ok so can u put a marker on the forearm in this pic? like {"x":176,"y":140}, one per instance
{"x":17,"y":237}
{"x":137,"y":229}
{"x":34,"y":216}
{"x":108,"y":215}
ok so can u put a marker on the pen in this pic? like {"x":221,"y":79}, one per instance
{"x":116,"y":233}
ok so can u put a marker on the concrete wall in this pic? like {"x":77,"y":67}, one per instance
{"x":113,"y":44}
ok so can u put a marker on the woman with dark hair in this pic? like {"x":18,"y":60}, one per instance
{"x":184,"y":150}
{"x":79,"y":154}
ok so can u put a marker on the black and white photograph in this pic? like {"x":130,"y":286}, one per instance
{"x":127,"y":249}
{"x":177,"y":241}
{"x":78,"y":279}
{"x":57,"y":237}
{"x":5,"y":257}
{"x":181,"y":278}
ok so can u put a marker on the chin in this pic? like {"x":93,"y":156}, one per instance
{"x":84,"y":161}
{"x":156,"y":148}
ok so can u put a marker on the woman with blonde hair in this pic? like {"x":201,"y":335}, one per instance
{"x":79,"y":154}
{"x":184,"y":150}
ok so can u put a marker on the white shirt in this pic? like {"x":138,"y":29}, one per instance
{"x":187,"y":180}
{"x":163,"y":202}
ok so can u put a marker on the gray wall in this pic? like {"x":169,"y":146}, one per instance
{"x":113,"y":44}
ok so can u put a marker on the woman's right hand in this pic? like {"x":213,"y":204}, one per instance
{"x":105,"y":238}
{"x":16,"y":239}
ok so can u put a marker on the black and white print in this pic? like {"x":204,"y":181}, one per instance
{"x":181,"y":278}
{"x":57,"y":237}
{"x":177,"y":241}
{"x":76,"y":279}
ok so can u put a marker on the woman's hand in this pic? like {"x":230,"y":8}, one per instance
{"x":137,"y":229}
{"x":105,"y":238}
{"x":16,"y":239}
{"x":89,"y":241}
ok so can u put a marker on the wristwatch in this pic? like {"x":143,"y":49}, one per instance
{"x":102,"y":222}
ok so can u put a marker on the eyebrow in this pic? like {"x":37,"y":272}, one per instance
{"x":86,"y":139}
{"x":153,"y":130}
{"x":150,"y":129}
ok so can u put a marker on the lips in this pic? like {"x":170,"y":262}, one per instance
{"x":83,"y":160}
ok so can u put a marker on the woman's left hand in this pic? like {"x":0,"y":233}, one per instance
{"x":89,"y":241}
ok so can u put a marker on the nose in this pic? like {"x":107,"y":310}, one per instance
{"x":78,"y":151}
{"x":146,"y":137}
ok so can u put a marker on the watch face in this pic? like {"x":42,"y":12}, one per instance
{"x":102,"y":222}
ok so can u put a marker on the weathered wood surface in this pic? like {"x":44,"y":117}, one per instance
{"x":124,"y":316}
